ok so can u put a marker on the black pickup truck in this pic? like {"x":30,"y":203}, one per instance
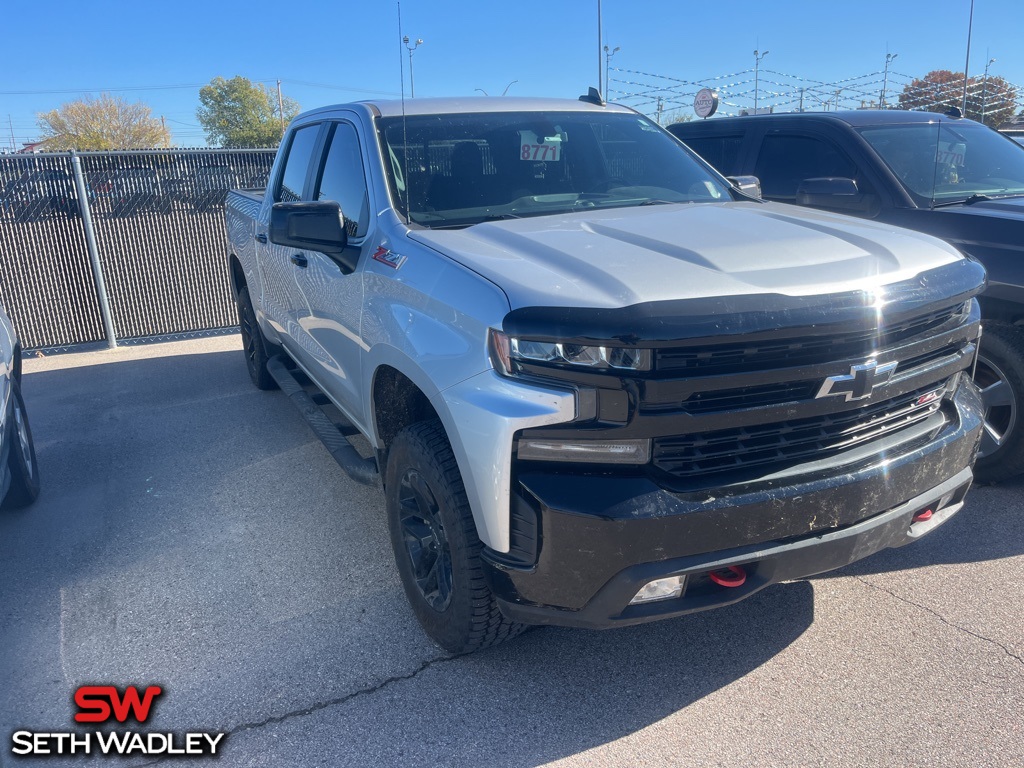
{"x":943,"y":175}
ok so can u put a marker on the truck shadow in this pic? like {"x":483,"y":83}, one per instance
{"x":554,"y":693}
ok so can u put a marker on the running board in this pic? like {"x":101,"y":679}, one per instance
{"x":359,"y":469}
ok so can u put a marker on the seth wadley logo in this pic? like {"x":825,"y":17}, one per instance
{"x":102,"y":703}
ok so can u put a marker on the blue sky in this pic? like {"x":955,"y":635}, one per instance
{"x":352,"y":49}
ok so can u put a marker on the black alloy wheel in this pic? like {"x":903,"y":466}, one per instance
{"x":426,"y":544}
{"x":999,"y":376}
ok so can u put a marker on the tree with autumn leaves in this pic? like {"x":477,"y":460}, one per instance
{"x":941,"y":89}
{"x":106,"y":122}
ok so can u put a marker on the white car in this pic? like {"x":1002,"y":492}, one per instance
{"x":19,"y":481}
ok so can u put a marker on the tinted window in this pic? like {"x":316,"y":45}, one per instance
{"x":949,"y":162}
{"x":723,"y":152}
{"x":462,"y":169}
{"x":296,"y":165}
{"x":343,"y":181}
{"x":785,"y":161}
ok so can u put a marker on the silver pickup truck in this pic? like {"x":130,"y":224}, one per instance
{"x":599,"y":383}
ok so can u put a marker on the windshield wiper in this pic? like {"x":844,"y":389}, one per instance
{"x":976,"y":198}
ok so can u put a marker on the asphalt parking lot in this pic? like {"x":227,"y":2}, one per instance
{"x":193,"y":533}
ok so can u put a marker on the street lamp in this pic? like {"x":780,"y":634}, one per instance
{"x":412,"y":47}
{"x":757,"y":61}
{"x":607,"y":64}
{"x":885,"y":79}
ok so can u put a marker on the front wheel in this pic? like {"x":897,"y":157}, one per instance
{"x":21,"y":457}
{"x":1000,"y":377}
{"x":436,"y":546}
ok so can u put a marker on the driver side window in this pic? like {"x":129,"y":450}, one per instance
{"x":785,"y":161}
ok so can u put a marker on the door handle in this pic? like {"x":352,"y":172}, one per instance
{"x":261,"y":237}
{"x":299,"y":260}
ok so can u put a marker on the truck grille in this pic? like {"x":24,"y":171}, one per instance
{"x":807,"y":350}
{"x":773,"y":447}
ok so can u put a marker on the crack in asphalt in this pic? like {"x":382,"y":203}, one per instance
{"x":329,"y":702}
{"x":943,"y":619}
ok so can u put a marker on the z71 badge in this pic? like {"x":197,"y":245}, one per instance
{"x":392,"y":259}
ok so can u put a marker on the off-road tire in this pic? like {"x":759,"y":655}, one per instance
{"x":469,"y":619}
{"x":21,"y":455}
{"x":1001,"y":360}
{"x":254,"y":343}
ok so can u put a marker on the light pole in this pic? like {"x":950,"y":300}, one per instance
{"x":412,"y":46}
{"x":607,"y":65}
{"x":757,"y":62}
{"x":967,"y":63}
{"x":885,"y":78}
{"x":984,"y":89}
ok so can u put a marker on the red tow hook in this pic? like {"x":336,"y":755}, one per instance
{"x":920,"y":517}
{"x":730,"y":576}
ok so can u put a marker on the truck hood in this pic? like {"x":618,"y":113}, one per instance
{"x":623,"y":256}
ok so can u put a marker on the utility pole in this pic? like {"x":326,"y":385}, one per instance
{"x":599,"y":46}
{"x":801,"y":100}
{"x":970,"y":26}
{"x":14,"y":147}
{"x":661,"y":106}
{"x":167,"y":136}
{"x":885,"y":79}
{"x":280,"y":107}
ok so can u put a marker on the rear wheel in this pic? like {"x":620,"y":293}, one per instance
{"x":1000,"y":377}
{"x":436,"y":546}
{"x":254,"y":344}
{"x":21,"y":458}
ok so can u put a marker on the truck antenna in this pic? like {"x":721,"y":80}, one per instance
{"x":405,"y":135}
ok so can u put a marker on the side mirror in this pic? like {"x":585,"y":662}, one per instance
{"x":748,"y":185}
{"x":309,"y":226}
{"x":836,"y":194}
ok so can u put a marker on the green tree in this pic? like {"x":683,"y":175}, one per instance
{"x":237,"y":113}
{"x":941,"y":89}
{"x":107,"y":122}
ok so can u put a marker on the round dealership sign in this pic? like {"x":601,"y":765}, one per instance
{"x":705,"y":102}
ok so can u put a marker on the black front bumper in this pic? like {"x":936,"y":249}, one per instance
{"x":601,"y":538}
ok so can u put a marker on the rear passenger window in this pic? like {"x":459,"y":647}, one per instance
{"x":785,"y":161}
{"x":722,"y":152}
{"x":296,"y":165}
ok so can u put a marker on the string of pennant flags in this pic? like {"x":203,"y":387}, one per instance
{"x":657,"y":95}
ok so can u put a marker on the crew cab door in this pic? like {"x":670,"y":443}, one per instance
{"x":277,"y":263}
{"x":329,"y":296}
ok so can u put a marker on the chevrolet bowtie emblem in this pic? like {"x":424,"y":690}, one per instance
{"x":859,"y":382}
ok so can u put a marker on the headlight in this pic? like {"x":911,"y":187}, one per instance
{"x":505,"y":350}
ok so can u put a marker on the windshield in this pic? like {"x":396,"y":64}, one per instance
{"x":462,"y":169}
{"x":944,"y":163}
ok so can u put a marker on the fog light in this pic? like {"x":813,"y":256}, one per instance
{"x":660,"y":589}
{"x":596,"y":451}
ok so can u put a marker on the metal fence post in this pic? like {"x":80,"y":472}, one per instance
{"x":94,"y":254}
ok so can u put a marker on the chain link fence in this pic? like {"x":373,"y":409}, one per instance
{"x":158,"y":225}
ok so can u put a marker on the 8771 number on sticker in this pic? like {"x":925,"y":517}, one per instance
{"x":541,"y":152}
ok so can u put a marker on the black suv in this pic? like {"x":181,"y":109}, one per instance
{"x":946,"y":176}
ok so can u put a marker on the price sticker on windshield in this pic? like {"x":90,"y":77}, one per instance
{"x":539,"y":148}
